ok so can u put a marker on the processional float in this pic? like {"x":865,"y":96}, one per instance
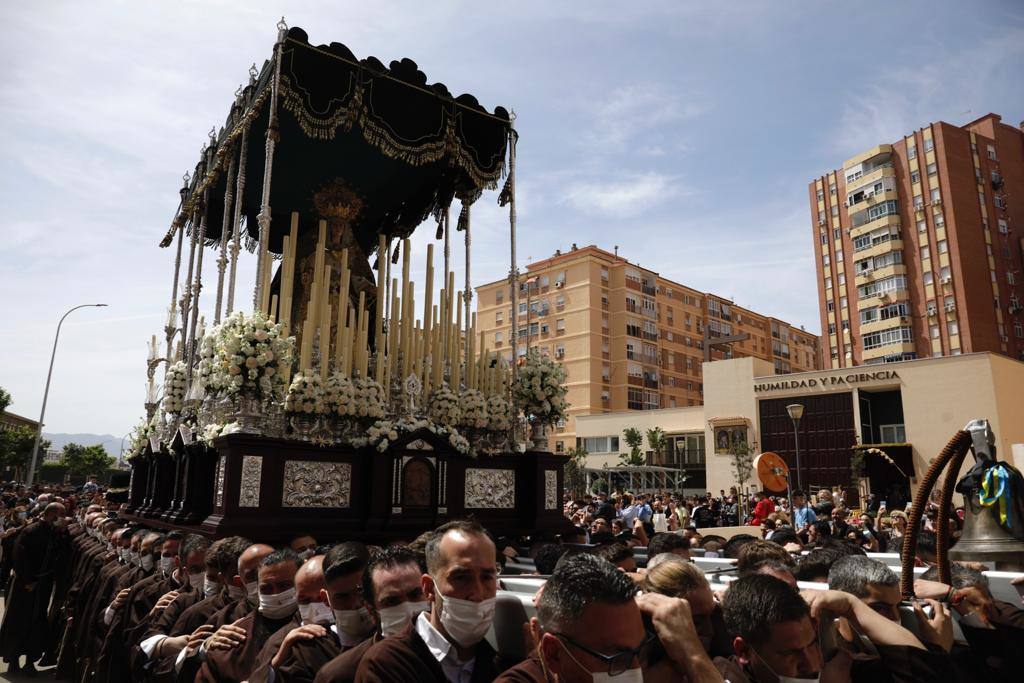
{"x":330,"y":401}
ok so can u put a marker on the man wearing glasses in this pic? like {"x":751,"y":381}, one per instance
{"x":592,"y":629}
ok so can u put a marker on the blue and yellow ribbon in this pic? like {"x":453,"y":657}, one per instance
{"x":997,"y":487}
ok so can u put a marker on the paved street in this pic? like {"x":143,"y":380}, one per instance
{"x":19,"y":678}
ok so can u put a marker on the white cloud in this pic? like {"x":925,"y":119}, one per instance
{"x":630,"y":195}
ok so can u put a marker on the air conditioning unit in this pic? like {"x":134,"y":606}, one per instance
{"x":1004,"y":338}
{"x":558,"y":284}
{"x":821,"y":221}
{"x":932,"y":312}
{"x":946,"y":280}
{"x":950,"y":307}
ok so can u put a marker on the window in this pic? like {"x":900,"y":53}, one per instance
{"x":497,"y":337}
{"x":601,"y":444}
{"x":1018,"y":330}
{"x":544,"y":281}
{"x":925,"y":252}
{"x":635,"y":399}
{"x":828,"y":283}
{"x":1004,"y":228}
{"x":560,"y":325}
{"x":888,"y":284}
{"x":824,"y":238}
{"x":943,"y":246}
{"x":604,"y":274}
{"x":842,"y":278}
{"x":915,"y":176}
{"x":1010,"y":279}
{"x":899,"y":335}
{"x":522,"y":308}
{"x":544,"y":328}
{"x":934,"y":331}
{"x":831,"y":328}
{"x":842,"y":302}
{"x":911,"y":152}
{"x":839,"y":255}
{"x":936,"y":195}
{"x":560,"y":446}
{"x":940,"y":221}
{"x":932,"y":169}
{"x":499,"y":296}
{"x":929,"y":144}
{"x":559,"y":350}
{"x":560,"y":279}
{"x":837,"y":234}
{"x":826,"y":261}
{"x":894,"y":433}
{"x":952,"y":328}
{"x":944,"y":274}
{"x":821,"y":195}
{"x":928,"y":277}
{"x":832,"y":190}
{"x":918,"y":201}
{"x":991,"y":152}
{"x":922,"y":226}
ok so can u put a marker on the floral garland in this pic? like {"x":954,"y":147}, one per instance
{"x":443,"y":407}
{"x":339,"y":395}
{"x":499,"y":414}
{"x":212,"y":431}
{"x":174,"y":388}
{"x":539,"y":390}
{"x":474,"y":410}
{"x":370,"y":398}
{"x":383,"y":433}
{"x":305,"y":394}
{"x":246,"y":351}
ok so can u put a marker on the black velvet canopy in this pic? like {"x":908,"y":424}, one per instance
{"x":402,"y":149}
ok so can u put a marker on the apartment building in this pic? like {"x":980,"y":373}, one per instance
{"x":629,"y":339}
{"x":918,"y":246}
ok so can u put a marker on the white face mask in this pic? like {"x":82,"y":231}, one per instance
{"x":466,"y":621}
{"x":393,"y":619}
{"x":278,"y":606}
{"x":146,"y":562}
{"x":210,"y":587}
{"x":354,"y":623}
{"x":166,"y":565}
{"x":135,"y":558}
{"x":316,"y":613}
{"x":124,"y":554}
{"x":196,"y":580}
{"x":236,"y":593}
{"x":252,"y":592}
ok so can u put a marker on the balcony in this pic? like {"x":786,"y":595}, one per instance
{"x":887,"y":349}
{"x":633,"y":284}
{"x":648,"y":289}
{"x":634,"y":381}
{"x":890,"y":220}
{"x":883,"y":299}
{"x":888,"y":323}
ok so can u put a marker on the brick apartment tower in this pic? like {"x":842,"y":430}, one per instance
{"x":918,"y":245}
{"x":628,"y":338}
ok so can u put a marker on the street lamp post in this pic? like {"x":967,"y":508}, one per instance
{"x":796,"y":411}
{"x":42,"y":413}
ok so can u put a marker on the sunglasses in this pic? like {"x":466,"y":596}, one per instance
{"x":620,"y":661}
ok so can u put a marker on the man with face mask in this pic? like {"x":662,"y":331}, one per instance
{"x":185,"y":618}
{"x":393,"y":587}
{"x":777,"y":637}
{"x":230,"y":654}
{"x":448,"y":644}
{"x":284,"y":657}
{"x":24,"y":626}
{"x":304,"y":545}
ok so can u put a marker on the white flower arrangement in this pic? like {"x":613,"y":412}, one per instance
{"x":539,"y":390}
{"x":443,"y":407}
{"x":140,"y":438}
{"x":306,"y":394}
{"x":339,"y":395}
{"x":474,"y":410}
{"x":174,"y":388}
{"x":371,"y":401}
{"x":383,"y":433}
{"x":499,"y":413}
{"x":246,"y":351}
{"x":212,"y":431}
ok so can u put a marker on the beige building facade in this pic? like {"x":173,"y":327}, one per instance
{"x":909,"y":410}
{"x":628,"y":338}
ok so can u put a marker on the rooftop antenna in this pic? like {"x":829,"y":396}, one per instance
{"x":616,"y":250}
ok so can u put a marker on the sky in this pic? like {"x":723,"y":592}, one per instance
{"x":684,"y":132}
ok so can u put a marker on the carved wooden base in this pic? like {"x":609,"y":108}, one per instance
{"x":271,"y":489}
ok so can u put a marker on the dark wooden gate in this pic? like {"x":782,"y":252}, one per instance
{"x":826,"y":437}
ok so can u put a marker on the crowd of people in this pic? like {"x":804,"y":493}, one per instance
{"x":103,"y":598}
{"x":813,"y":518}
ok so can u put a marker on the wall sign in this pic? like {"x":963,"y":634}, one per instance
{"x":826,"y":381}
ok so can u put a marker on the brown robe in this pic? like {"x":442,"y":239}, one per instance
{"x":162,"y":668}
{"x":530,"y":670}
{"x":405,"y":657}
{"x":236,"y":664}
{"x":307,"y":657}
{"x":24,"y":626}
{"x":343,"y":667}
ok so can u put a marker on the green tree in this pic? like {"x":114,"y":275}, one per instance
{"x":575,"y":477}
{"x":634,"y":439}
{"x":86,"y":459}
{"x":657,"y":441}
{"x":5,"y":400}
{"x":742,"y":469}
{"x":16,"y":449}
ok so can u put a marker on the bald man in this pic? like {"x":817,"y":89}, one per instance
{"x":276,"y":661}
{"x":23,"y":632}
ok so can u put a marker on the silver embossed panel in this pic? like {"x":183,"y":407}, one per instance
{"x":219,"y":499}
{"x":316,"y":484}
{"x":252,"y":471}
{"x":490,"y":489}
{"x":550,"y":490}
